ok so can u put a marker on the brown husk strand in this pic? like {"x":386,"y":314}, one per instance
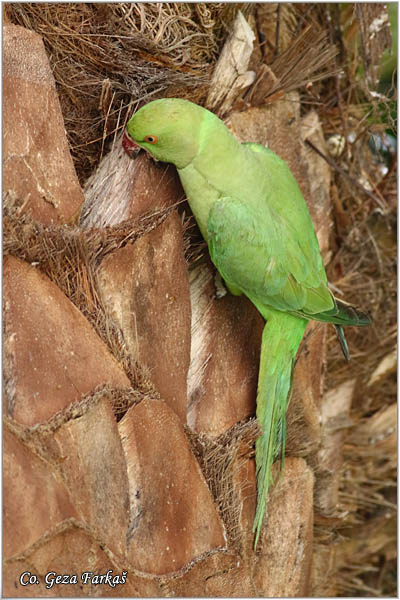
{"x":131,"y":53}
{"x":308,"y":87}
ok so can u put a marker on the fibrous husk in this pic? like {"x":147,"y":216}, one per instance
{"x":221,"y":388}
{"x":221,"y":459}
{"x":164,"y":479}
{"x":70,"y":256}
{"x":107,"y":58}
{"x":144,"y":287}
{"x":375,"y":37}
{"x":37,"y":162}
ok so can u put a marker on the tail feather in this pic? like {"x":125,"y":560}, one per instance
{"x":340,"y":315}
{"x":344,"y":314}
{"x":342,"y":341}
{"x":281,"y":338}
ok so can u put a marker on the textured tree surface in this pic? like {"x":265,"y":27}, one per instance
{"x":130,"y":387}
{"x":34,"y":143}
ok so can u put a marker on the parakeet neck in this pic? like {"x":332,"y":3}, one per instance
{"x":200,"y":194}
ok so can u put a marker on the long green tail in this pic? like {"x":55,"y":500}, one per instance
{"x":280,"y":340}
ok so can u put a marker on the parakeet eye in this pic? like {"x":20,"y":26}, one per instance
{"x":150,"y":139}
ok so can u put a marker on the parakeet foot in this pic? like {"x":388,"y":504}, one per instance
{"x":220,"y":288}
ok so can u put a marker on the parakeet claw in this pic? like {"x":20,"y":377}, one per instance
{"x":220,"y":289}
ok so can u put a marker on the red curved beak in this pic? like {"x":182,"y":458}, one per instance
{"x":129,"y":146}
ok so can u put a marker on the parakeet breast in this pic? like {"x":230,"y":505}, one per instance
{"x":200,"y":194}
{"x":217,"y":173}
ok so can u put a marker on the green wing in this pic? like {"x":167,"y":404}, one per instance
{"x":259,"y":252}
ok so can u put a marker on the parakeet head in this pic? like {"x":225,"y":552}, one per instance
{"x":169,"y":129}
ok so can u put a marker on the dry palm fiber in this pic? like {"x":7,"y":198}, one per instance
{"x":108,"y":57}
{"x":364,"y":265}
{"x":69,"y":256}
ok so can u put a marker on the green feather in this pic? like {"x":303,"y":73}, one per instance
{"x":280,"y":341}
{"x":255,"y":220}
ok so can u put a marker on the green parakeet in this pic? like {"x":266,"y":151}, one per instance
{"x":261,"y":239}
